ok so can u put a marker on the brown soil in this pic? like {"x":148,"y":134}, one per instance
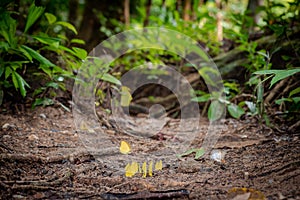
{"x":42,"y":157}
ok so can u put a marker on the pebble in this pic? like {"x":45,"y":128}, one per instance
{"x":246,"y":175}
{"x":8,"y":126}
{"x":6,"y":137}
{"x":33,"y":137}
{"x":43,"y":116}
{"x":217,"y":155}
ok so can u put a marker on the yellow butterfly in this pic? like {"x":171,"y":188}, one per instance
{"x":158,"y":165}
{"x":131,"y":169}
{"x":144,"y":169}
{"x":125,"y":96}
{"x":124,"y":147}
{"x":150,"y":168}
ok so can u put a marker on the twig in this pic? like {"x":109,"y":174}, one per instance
{"x":148,"y":195}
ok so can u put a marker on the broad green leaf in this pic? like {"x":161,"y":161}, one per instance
{"x":235,"y":111}
{"x":282,"y":75}
{"x":51,"y":18}
{"x":215,"y":110}
{"x":251,"y":106}
{"x":37,"y":56}
{"x":279,"y":74}
{"x":67,"y":25}
{"x":200,"y":152}
{"x":109,"y":78}
{"x":33,"y":14}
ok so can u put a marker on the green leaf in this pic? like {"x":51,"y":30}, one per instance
{"x":68,"y":26}
{"x":51,"y":18}
{"x":43,"y":102}
{"x":235,"y":111}
{"x":293,"y":92}
{"x":22,"y":83}
{"x":282,"y":75}
{"x":7,"y":72}
{"x":279,"y":101}
{"x":215,"y":110}
{"x":33,"y":14}
{"x":279,"y":74}
{"x":38,"y":56}
{"x":188,"y":152}
{"x":80,"y":53}
{"x":47,"y":70}
{"x":26,"y":54}
{"x":53,"y":85}
{"x":14,"y":80}
{"x":77,"y":41}
{"x":109,"y":78}
{"x":251,"y":106}
{"x":200,"y":152}
{"x":203,"y":98}
{"x":48,"y":40}
{"x":296,"y":99}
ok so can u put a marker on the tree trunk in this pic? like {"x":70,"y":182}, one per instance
{"x":127,"y":13}
{"x":148,"y":8}
{"x":187,"y":10}
{"x":73,"y":16}
{"x":219,"y":21}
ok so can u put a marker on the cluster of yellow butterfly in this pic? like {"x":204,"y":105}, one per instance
{"x":132,"y":168}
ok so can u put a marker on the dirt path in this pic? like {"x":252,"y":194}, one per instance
{"x":41,"y":157}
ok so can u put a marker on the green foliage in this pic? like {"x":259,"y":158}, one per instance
{"x":24,"y":55}
{"x":217,"y":102}
{"x":278,"y":75}
{"x":33,"y":14}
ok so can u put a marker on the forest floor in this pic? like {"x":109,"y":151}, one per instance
{"x":42,"y":157}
